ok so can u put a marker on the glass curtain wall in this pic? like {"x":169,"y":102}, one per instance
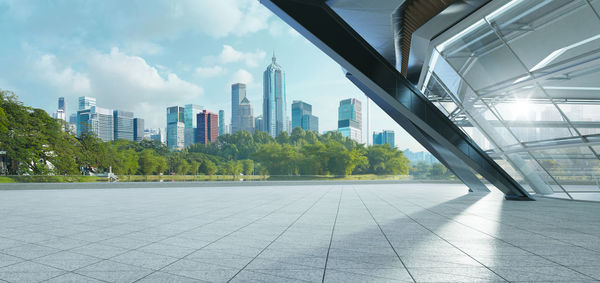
{"x":523,"y":81}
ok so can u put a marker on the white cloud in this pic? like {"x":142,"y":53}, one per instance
{"x":171,"y":18}
{"x":64,"y":78}
{"x":207,"y":72}
{"x":251,"y":59}
{"x":242,"y":76}
{"x":128,"y":82}
{"x":121,"y":81}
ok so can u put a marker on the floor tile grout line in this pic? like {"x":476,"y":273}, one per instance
{"x":332,"y":231}
{"x":431,"y":231}
{"x":109,"y":259}
{"x":278,"y":236}
{"x":224,"y":236}
{"x":504,"y":241}
{"x":103,"y":259}
{"x":385,"y":236}
{"x":526,"y":230}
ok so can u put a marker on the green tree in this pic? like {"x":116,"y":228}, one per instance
{"x":247,"y":167}
{"x":148,"y":162}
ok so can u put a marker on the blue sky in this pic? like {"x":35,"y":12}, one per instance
{"x":144,"y":56}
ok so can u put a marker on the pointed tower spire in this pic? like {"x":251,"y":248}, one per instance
{"x":273,"y":58}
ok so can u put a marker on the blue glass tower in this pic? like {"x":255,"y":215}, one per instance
{"x":275,"y":119}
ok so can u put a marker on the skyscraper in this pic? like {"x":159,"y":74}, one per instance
{"x":302,"y":116}
{"x":97,"y":120}
{"x":123,"y":125}
{"x":246,"y":116}
{"x":238,"y":93}
{"x":221,"y":122}
{"x":275,"y":119}
{"x":383,"y":137}
{"x":138,"y":129}
{"x":175,"y":127}
{"x":86,"y":102}
{"x":61,"y":112}
{"x":189,"y":117}
{"x":350,"y":119}
{"x":208,"y":127}
{"x":258,"y":123}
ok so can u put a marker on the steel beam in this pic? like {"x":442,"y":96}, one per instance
{"x":387,"y":87}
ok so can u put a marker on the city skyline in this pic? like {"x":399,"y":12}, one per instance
{"x":144,"y":67}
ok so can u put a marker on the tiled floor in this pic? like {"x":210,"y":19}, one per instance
{"x":333,"y":233}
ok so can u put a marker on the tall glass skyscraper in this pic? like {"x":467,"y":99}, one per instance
{"x":350,"y":119}
{"x":221,"y":122}
{"x":123,"y":125}
{"x":302,"y":116}
{"x":175,"y":127}
{"x":275,"y":119}
{"x":238,"y":93}
{"x":189,"y":119}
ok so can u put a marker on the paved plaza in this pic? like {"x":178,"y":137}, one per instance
{"x":349,"y":232}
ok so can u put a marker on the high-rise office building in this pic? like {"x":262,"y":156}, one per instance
{"x":190,"y":111}
{"x":383,"y":137}
{"x":138,"y":129}
{"x":221,"y":122}
{"x":246,"y":116}
{"x":275,"y":119}
{"x":238,"y":93}
{"x":350,"y":119}
{"x":97,"y":120}
{"x":61,"y":112}
{"x":208,"y":127}
{"x":175,"y":127}
{"x":258,"y":123}
{"x":86,"y":102}
{"x":302,"y":116}
{"x":123,"y":125}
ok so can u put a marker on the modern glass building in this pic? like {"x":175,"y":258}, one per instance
{"x":208,"y":127}
{"x":258,"y":123}
{"x":221,"y":122}
{"x":189,"y":116}
{"x":275,"y":117}
{"x":123,"y":125}
{"x":175,"y":127}
{"x":97,"y":120}
{"x":384,"y":137}
{"x":238,"y":93}
{"x":350,"y":119}
{"x":302,"y":116}
{"x":86,"y":102}
{"x":246,"y":116}
{"x":138,"y":129}
{"x":506,"y":89}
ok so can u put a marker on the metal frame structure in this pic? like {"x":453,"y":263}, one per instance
{"x":391,"y":91}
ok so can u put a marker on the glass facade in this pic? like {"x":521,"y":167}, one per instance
{"x":189,"y":119}
{"x":350,"y":119}
{"x":123,"y":124}
{"x":275,"y":117}
{"x":302,"y":116}
{"x":385,"y":137}
{"x":238,"y":93}
{"x":522,"y":79}
{"x":175,"y":127}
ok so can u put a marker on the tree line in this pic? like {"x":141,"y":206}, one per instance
{"x":35,"y":144}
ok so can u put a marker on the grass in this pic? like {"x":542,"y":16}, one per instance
{"x":190,"y":178}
